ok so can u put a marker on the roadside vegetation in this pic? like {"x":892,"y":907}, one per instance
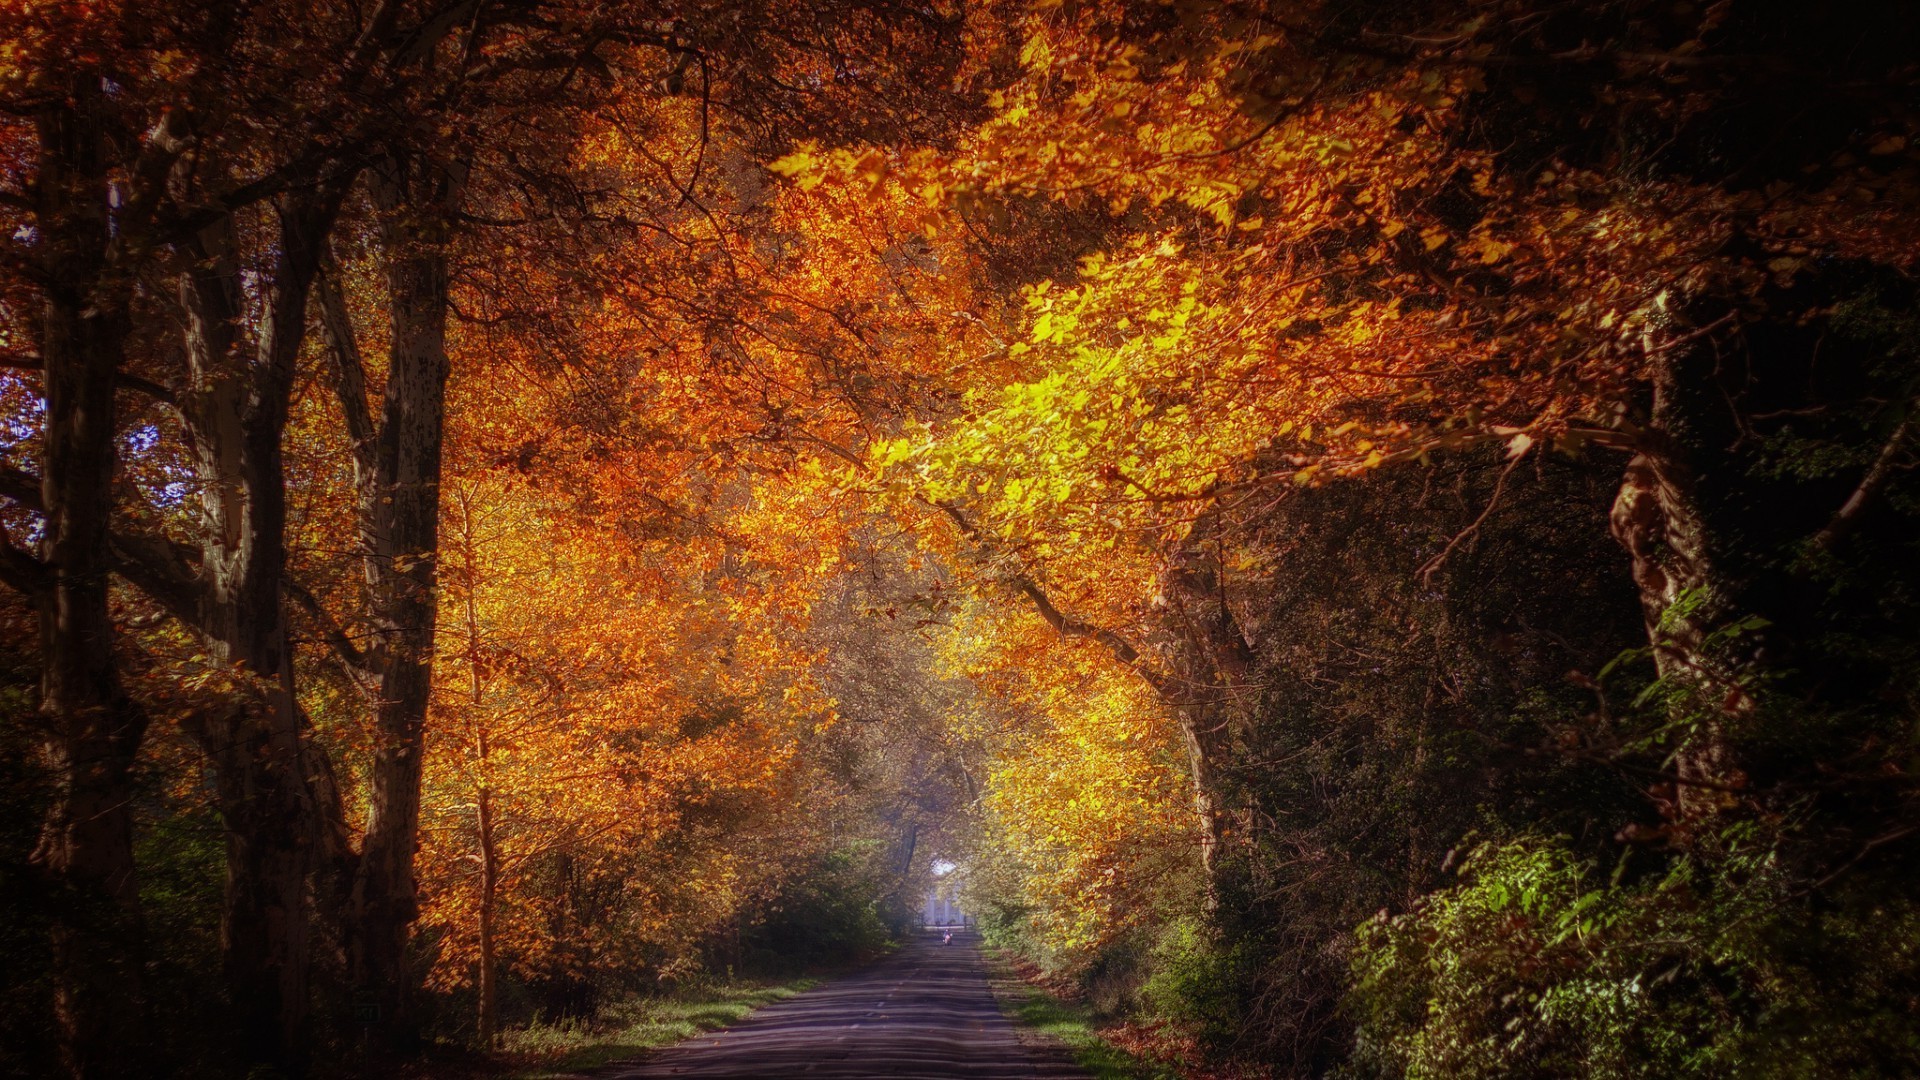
{"x":629,"y":1028}
{"x":1380,"y":539}
{"x":1046,"y":1016}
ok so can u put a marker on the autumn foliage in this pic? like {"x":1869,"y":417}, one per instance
{"x":1379,"y":536}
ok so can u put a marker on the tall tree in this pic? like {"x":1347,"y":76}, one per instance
{"x":234,"y":412}
{"x":94,"y":727}
{"x":88,"y":185}
{"x":397,"y":476}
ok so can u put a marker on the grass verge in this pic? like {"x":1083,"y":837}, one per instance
{"x":1044,"y":1017}
{"x":635,"y":1026}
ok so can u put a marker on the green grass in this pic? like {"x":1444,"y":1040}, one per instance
{"x":637,"y":1025}
{"x":1072,"y":1025}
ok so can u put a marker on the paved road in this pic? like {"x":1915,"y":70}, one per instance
{"x":924,"y":1013}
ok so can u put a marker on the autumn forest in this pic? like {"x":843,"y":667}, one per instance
{"x":1366,"y":539}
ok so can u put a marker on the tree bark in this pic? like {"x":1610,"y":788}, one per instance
{"x":235,"y":411}
{"x":93,"y":727}
{"x":1658,"y":517}
{"x":400,"y":534}
{"x":489,"y":883}
{"x":1211,"y":664}
{"x":489,"y":889}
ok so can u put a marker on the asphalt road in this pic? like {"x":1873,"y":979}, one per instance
{"x":924,"y":1013}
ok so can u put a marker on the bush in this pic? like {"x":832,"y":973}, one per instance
{"x":1197,"y":982}
{"x":1717,"y":966}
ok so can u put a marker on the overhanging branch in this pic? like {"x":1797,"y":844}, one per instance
{"x":1063,"y":624}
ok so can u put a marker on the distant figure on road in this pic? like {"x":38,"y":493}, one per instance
{"x":948,"y":940}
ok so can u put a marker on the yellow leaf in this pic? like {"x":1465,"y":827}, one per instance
{"x":796,"y":163}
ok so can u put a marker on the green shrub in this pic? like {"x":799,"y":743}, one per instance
{"x":1197,"y":981}
{"x":1718,"y":966}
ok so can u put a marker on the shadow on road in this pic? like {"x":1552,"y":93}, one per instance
{"x":924,"y":1012}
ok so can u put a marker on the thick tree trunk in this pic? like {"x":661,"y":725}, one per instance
{"x":236,"y":410}
{"x":94,"y":728}
{"x":401,"y":537}
{"x":1657,"y":516}
{"x":265,"y":937}
{"x":1211,"y":663}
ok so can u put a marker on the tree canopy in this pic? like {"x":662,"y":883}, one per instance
{"x":1379,"y":537}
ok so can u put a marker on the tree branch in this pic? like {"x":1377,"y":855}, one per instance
{"x":1427,"y":570}
{"x":1869,"y":487}
{"x":428,"y":35}
{"x":163,"y":570}
{"x":1063,"y":624}
{"x":21,"y":571}
{"x":349,"y":371}
{"x":22,"y":488}
{"x":349,"y":654}
{"x":121,"y":379}
{"x":155,"y":565}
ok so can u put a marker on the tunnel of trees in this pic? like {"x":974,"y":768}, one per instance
{"x":1381,"y":535}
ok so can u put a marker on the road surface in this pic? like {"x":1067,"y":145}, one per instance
{"x":924,"y":1013}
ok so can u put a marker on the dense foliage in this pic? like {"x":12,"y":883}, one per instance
{"x":1379,"y":536}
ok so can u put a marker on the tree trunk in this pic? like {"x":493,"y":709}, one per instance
{"x":1198,"y":687}
{"x":483,"y":802}
{"x":1657,"y":516}
{"x":401,"y":535}
{"x":489,"y":887}
{"x":94,"y":728}
{"x":265,"y":937}
{"x":236,"y":410}
{"x":1211,"y":664}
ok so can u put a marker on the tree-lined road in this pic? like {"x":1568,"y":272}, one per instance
{"x":925,"y":1013}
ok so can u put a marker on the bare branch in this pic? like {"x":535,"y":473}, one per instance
{"x":1870,"y":485}
{"x":1493,"y":502}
